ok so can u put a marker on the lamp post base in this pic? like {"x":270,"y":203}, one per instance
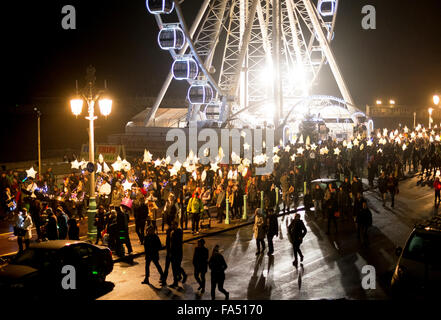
{"x":91,"y":212}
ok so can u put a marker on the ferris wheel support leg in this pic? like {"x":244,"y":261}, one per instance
{"x":166,"y":84}
{"x":328,"y":52}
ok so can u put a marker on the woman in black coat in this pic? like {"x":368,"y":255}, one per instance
{"x":273,"y":230}
{"x":152,"y":245}
{"x":200,"y":263}
{"x":74,"y":230}
{"x":52,"y":225}
{"x":217,"y":265}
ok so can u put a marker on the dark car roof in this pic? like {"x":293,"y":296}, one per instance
{"x":431,"y":225}
{"x":15,"y":271}
{"x":55,"y":244}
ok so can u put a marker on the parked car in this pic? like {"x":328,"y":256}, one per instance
{"x":418,"y":270}
{"x":39,"y":268}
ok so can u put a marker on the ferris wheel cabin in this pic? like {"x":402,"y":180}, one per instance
{"x":171,"y":37}
{"x":185,"y":68}
{"x":160,"y":6}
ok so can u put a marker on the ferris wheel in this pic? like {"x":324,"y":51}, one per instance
{"x":246,"y":61}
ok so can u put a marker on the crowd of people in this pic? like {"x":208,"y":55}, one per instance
{"x":151,"y":191}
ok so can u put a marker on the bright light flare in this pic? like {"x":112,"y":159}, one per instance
{"x":105,"y":106}
{"x":76,"y":106}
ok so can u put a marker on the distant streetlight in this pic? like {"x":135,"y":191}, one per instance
{"x":436,"y":100}
{"x":38,"y":112}
{"x":392,"y":102}
{"x":379,"y":102}
{"x":430,"y":117}
{"x":105,"y":105}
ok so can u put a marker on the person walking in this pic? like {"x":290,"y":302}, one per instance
{"x":317,"y":198}
{"x":437,"y":187}
{"x":382,"y":187}
{"x":364,"y":221}
{"x":74,"y":229}
{"x":217,"y":266}
{"x":140,"y":211}
{"x":122,"y":221}
{"x":195,"y":208}
{"x":100,"y":218}
{"x":392,"y":187}
{"x":200,"y":263}
{"x":24,"y":229}
{"x":52,"y":225}
{"x":259,"y":231}
{"x":220,"y":203}
{"x":62,"y":223}
{"x":176,"y":254}
{"x":297,"y":232}
{"x":273,"y":230}
{"x":152,"y":245}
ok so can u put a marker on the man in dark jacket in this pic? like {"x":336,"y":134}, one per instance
{"x":218,"y":266}
{"x":297,"y":232}
{"x":382,"y":187}
{"x":200,"y":263}
{"x":364,"y":221}
{"x":62,"y":223}
{"x":140,"y":211}
{"x":122,"y":220}
{"x":152,"y":245}
{"x":100,"y":222}
{"x":273,"y":230}
{"x":174,"y":244}
{"x":392,"y":187}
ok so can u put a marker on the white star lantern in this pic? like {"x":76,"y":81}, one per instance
{"x":106,"y":167}
{"x":287,"y":148}
{"x":275,"y":149}
{"x":235,"y":158}
{"x":349,"y":145}
{"x":300,"y":150}
{"x":83,"y":164}
{"x":246,"y":146}
{"x":313,"y":146}
{"x":214,"y":166}
{"x":173,"y":171}
{"x":177,"y":165}
{"x":324,"y":150}
{"x":369,"y":143}
{"x":246,"y":162}
{"x":276,"y":158}
{"x":75,"y":164}
{"x":147,"y":156}
{"x":31,"y":173}
{"x":157,"y":162}
{"x":127,"y":185}
{"x":125,"y":165}
{"x":380,"y":150}
{"x":337,"y":151}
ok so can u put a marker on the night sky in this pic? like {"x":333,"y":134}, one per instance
{"x":401,"y":59}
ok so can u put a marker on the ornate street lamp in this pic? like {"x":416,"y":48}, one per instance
{"x":105,"y":105}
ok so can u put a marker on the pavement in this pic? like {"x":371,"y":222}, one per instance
{"x":9,"y":247}
{"x":333,"y":266}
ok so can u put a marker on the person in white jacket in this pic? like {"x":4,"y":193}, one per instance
{"x":24,"y":225}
